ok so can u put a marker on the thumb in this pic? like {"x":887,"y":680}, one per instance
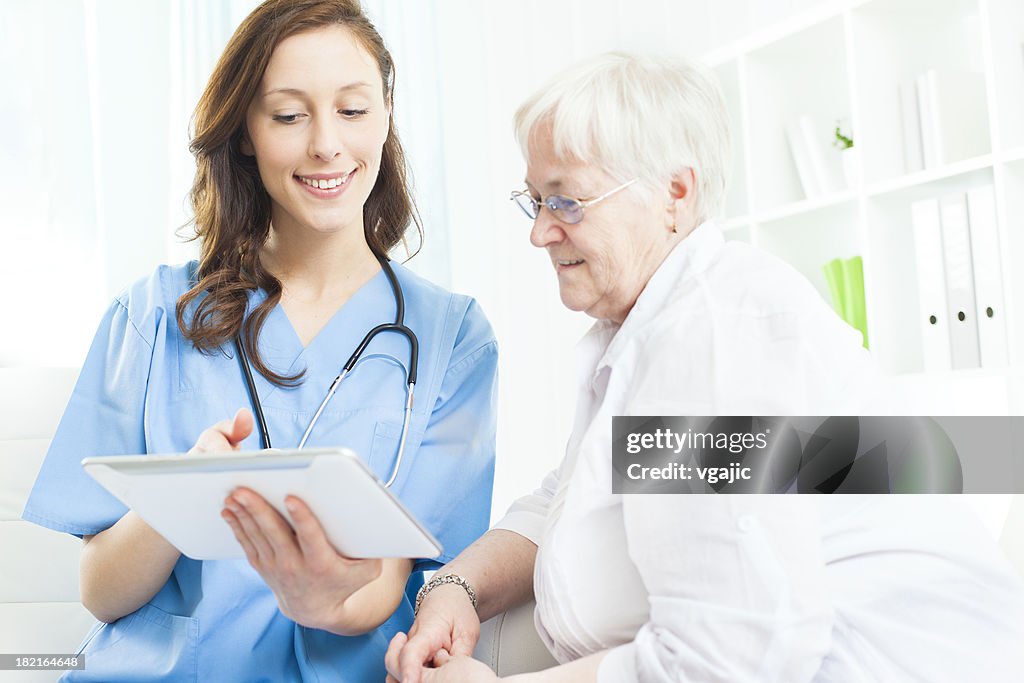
{"x":240,"y":427}
{"x":463,"y":645}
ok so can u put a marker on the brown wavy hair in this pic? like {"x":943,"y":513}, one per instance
{"x":230,"y":204}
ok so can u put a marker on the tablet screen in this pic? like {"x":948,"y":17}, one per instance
{"x":181,"y":497}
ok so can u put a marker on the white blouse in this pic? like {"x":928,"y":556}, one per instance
{"x":744,"y":587}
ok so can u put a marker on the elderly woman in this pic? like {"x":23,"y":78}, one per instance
{"x":626,"y":165}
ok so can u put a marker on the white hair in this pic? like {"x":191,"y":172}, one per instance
{"x":640,"y":117}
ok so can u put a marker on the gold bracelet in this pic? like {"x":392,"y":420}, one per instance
{"x":440,"y":581}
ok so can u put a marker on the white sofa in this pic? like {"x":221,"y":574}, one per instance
{"x":509,"y":643}
{"x":40,"y":612}
{"x":1012,"y":539}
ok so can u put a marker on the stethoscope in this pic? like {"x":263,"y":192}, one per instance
{"x":397,"y":326}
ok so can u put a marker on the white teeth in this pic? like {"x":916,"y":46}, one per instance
{"x":328,"y":184}
{"x":569,"y":263}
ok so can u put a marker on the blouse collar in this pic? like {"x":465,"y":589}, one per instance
{"x":606,"y":340}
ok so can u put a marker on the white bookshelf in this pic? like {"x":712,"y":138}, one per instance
{"x":844,"y":61}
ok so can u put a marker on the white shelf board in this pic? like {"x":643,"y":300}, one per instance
{"x":1015,"y":154}
{"x":953,"y":376}
{"x":929,"y":175}
{"x":978,"y":391}
{"x":780,"y":30}
{"x":804,"y":206}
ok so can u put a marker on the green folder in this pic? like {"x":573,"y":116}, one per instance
{"x":856,"y":312}
{"x":836,"y":285}
{"x":845,"y":280}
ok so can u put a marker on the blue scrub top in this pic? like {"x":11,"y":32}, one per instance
{"x":145,"y":389}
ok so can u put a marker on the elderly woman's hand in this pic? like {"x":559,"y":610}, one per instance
{"x":311,"y":580}
{"x":447,"y":625}
{"x":459,"y":669}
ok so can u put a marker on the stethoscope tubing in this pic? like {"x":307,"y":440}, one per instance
{"x":397,"y":326}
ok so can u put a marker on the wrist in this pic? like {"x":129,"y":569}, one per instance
{"x":451,"y":583}
{"x":352,"y":616}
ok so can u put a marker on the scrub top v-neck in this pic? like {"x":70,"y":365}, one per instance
{"x":145,"y":389}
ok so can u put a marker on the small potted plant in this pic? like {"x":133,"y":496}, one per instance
{"x":850,"y":154}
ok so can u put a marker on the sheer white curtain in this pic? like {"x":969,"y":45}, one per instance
{"x":51,"y":239}
{"x":410,"y":32}
{"x":198,"y":31}
{"x":94,"y":167}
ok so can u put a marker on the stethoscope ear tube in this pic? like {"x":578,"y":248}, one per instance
{"x":397,"y":326}
{"x":261,"y":422}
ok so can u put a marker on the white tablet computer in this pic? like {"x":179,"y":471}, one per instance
{"x":181,"y":497}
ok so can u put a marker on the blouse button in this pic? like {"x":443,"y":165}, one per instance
{"x":745,"y":523}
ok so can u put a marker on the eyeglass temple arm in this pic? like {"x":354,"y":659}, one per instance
{"x":607,"y":194}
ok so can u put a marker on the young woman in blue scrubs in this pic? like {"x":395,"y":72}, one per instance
{"x":300,"y":183}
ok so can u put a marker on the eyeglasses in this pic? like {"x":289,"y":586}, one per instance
{"x":566,"y":209}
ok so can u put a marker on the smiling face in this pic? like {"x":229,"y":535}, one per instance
{"x":603,"y":262}
{"x":317,"y":127}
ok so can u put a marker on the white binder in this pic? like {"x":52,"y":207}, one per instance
{"x":931,"y":285}
{"x":805,"y":166}
{"x":990,"y":311}
{"x":954,"y":123}
{"x":819,"y":173}
{"x":956,"y":248}
{"x":927,"y":109}
{"x":913,"y":153}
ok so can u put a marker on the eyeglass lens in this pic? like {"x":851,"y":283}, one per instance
{"x":528,"y":204}
{"x":565,"y":208}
